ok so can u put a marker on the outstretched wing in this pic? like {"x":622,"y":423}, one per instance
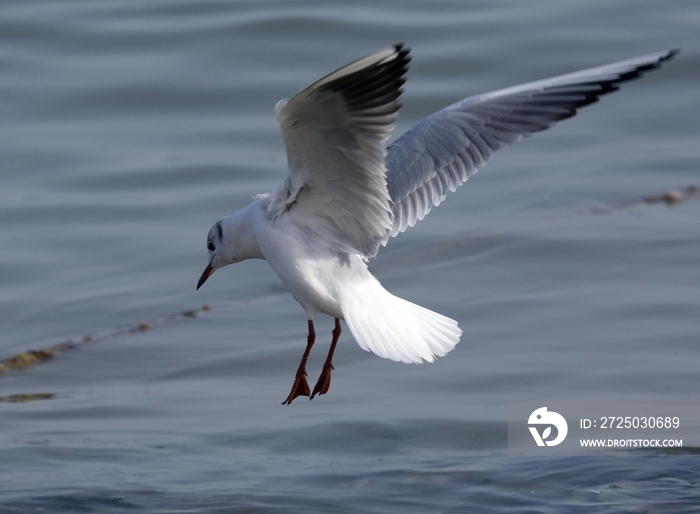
{"x":445,"y":149}
{"x":335,"y":132}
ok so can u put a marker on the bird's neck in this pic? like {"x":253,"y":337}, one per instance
{"x":239,"y":235}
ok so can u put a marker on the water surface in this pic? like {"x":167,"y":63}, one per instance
{"x":129,"y":128}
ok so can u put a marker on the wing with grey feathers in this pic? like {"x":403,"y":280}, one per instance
{"x":445,"y":149}
{"x":335,"y":132}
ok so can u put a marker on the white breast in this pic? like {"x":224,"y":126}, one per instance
{"x":313,"y":273}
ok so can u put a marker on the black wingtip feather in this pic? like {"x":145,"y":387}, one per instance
{"x":557,"y":94}
{"x":375,"y":85}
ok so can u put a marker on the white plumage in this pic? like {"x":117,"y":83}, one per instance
{"x":345,"y":194}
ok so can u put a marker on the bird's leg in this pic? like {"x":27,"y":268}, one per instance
{"x":301,"y":387}
{"x":324,"y":381}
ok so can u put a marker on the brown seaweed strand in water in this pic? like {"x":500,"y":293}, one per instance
{"x":27,"y":359}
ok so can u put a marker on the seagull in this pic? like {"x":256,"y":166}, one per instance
{"x":346,"y":193}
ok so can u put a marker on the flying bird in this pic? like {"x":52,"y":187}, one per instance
{"x":346,"y":193}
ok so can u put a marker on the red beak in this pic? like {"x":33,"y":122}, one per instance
{"x":207,"y":273}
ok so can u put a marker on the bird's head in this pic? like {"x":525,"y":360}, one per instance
{"x":215,"y":247}
{"x":231,"y":239}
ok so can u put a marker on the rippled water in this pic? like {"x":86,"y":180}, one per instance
{"x":128,"y":128}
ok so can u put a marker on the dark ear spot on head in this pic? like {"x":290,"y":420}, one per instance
{"x":219,"y":230}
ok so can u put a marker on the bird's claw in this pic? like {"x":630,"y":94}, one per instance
{"x":324,"y":381}
{"x":300,"y":388}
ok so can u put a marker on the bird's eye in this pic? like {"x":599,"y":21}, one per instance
{"x":210,"y":246}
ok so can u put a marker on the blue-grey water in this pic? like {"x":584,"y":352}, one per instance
{"x":128,"y":128}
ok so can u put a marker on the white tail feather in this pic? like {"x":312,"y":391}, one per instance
{"x":394,"y":328}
